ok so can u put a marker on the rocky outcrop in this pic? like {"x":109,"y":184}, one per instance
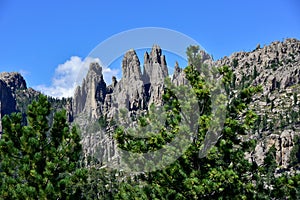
{"x":130,"y":91}
{"x":7,"y":88}
{"x":13,"y":80}
{"x":283,"y":143}
{"x":15,"y":97}
{"x":155,"y":66}
{"x":8,"y":102}
{"x":134,"y":93}
{"x":275,"y":66}
{"x":10,"y":82}
{"x":155,"y":72}
{"x":91,"y":94}
{"x":178,"y":77}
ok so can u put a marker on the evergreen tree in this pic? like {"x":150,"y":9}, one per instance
{"x":255,"y":73}
{"x":295,"y":98}
{"x":38,"y":161}
{"x":295,"y":152}
{"x":265,"y":122}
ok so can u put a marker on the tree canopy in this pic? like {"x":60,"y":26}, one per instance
{"x":38,"y":161}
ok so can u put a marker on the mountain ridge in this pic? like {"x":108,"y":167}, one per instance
{"x":276,"y":67}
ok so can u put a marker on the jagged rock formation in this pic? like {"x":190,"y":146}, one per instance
{"x":283,"y":142}
{"x":279,"y":114}
{"x":14,"y":81}
{"x":8,"y":103}
{"x":8,"y":84}
{"x":155,"y":72}
{"x":178,"y":77}
{"x":277,"y":68}
{"x":130,"y":91}
{"x":134,"y":92}
{"x":155,"y":66}
{"x":90,"y":96}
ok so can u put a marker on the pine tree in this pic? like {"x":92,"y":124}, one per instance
{"x":38,"y":161}
{"x":255,"y":73}
{"x":265,"y":122}
{"x":295,"y":98}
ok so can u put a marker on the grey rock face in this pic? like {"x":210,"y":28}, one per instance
{"x":13,"y":80}
{"x":130,"y":93}
{"x":283,"y":144}
{"x":155,"y":66}
{"x":155,"y":72}
{"x":8,"y":103}
{"x":276,"y":65}
{"x":91,"y":94}
{"x":9,"y":83}
{"x":134,"y":92}
{"x":277,"y":68}
{"x":69,"y":109}
{"x":178,"y":77}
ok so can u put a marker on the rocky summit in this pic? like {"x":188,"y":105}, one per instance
{"x":276,"y":67}
{"x":135,"y":92}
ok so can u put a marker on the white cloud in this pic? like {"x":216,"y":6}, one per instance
{"x":70,"y":74}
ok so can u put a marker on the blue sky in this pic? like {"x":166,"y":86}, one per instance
{"x":40,"y":38}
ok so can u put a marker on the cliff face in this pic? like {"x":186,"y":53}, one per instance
{"x":90,"y":96}
{"x":130,"y":91}
{"x":9,"y":83}
{"x":277,"y":68}
{"x":135,"y":92}
{"x":155,"y":72}
{"x":14,"y":81}
{"x":8,"y":103}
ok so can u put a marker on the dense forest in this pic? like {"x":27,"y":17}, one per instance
{"x":42,"y":158}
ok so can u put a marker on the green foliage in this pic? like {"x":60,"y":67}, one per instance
{"x":223,"y":173}
{"x":38,"y":161}
{"x":235,"y":63}
{"x":295,"y":152}
{"x":193,"y":57}
{"x":270,"y":160}
{"x":295,"y":98}
{"x":103,"y":121}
